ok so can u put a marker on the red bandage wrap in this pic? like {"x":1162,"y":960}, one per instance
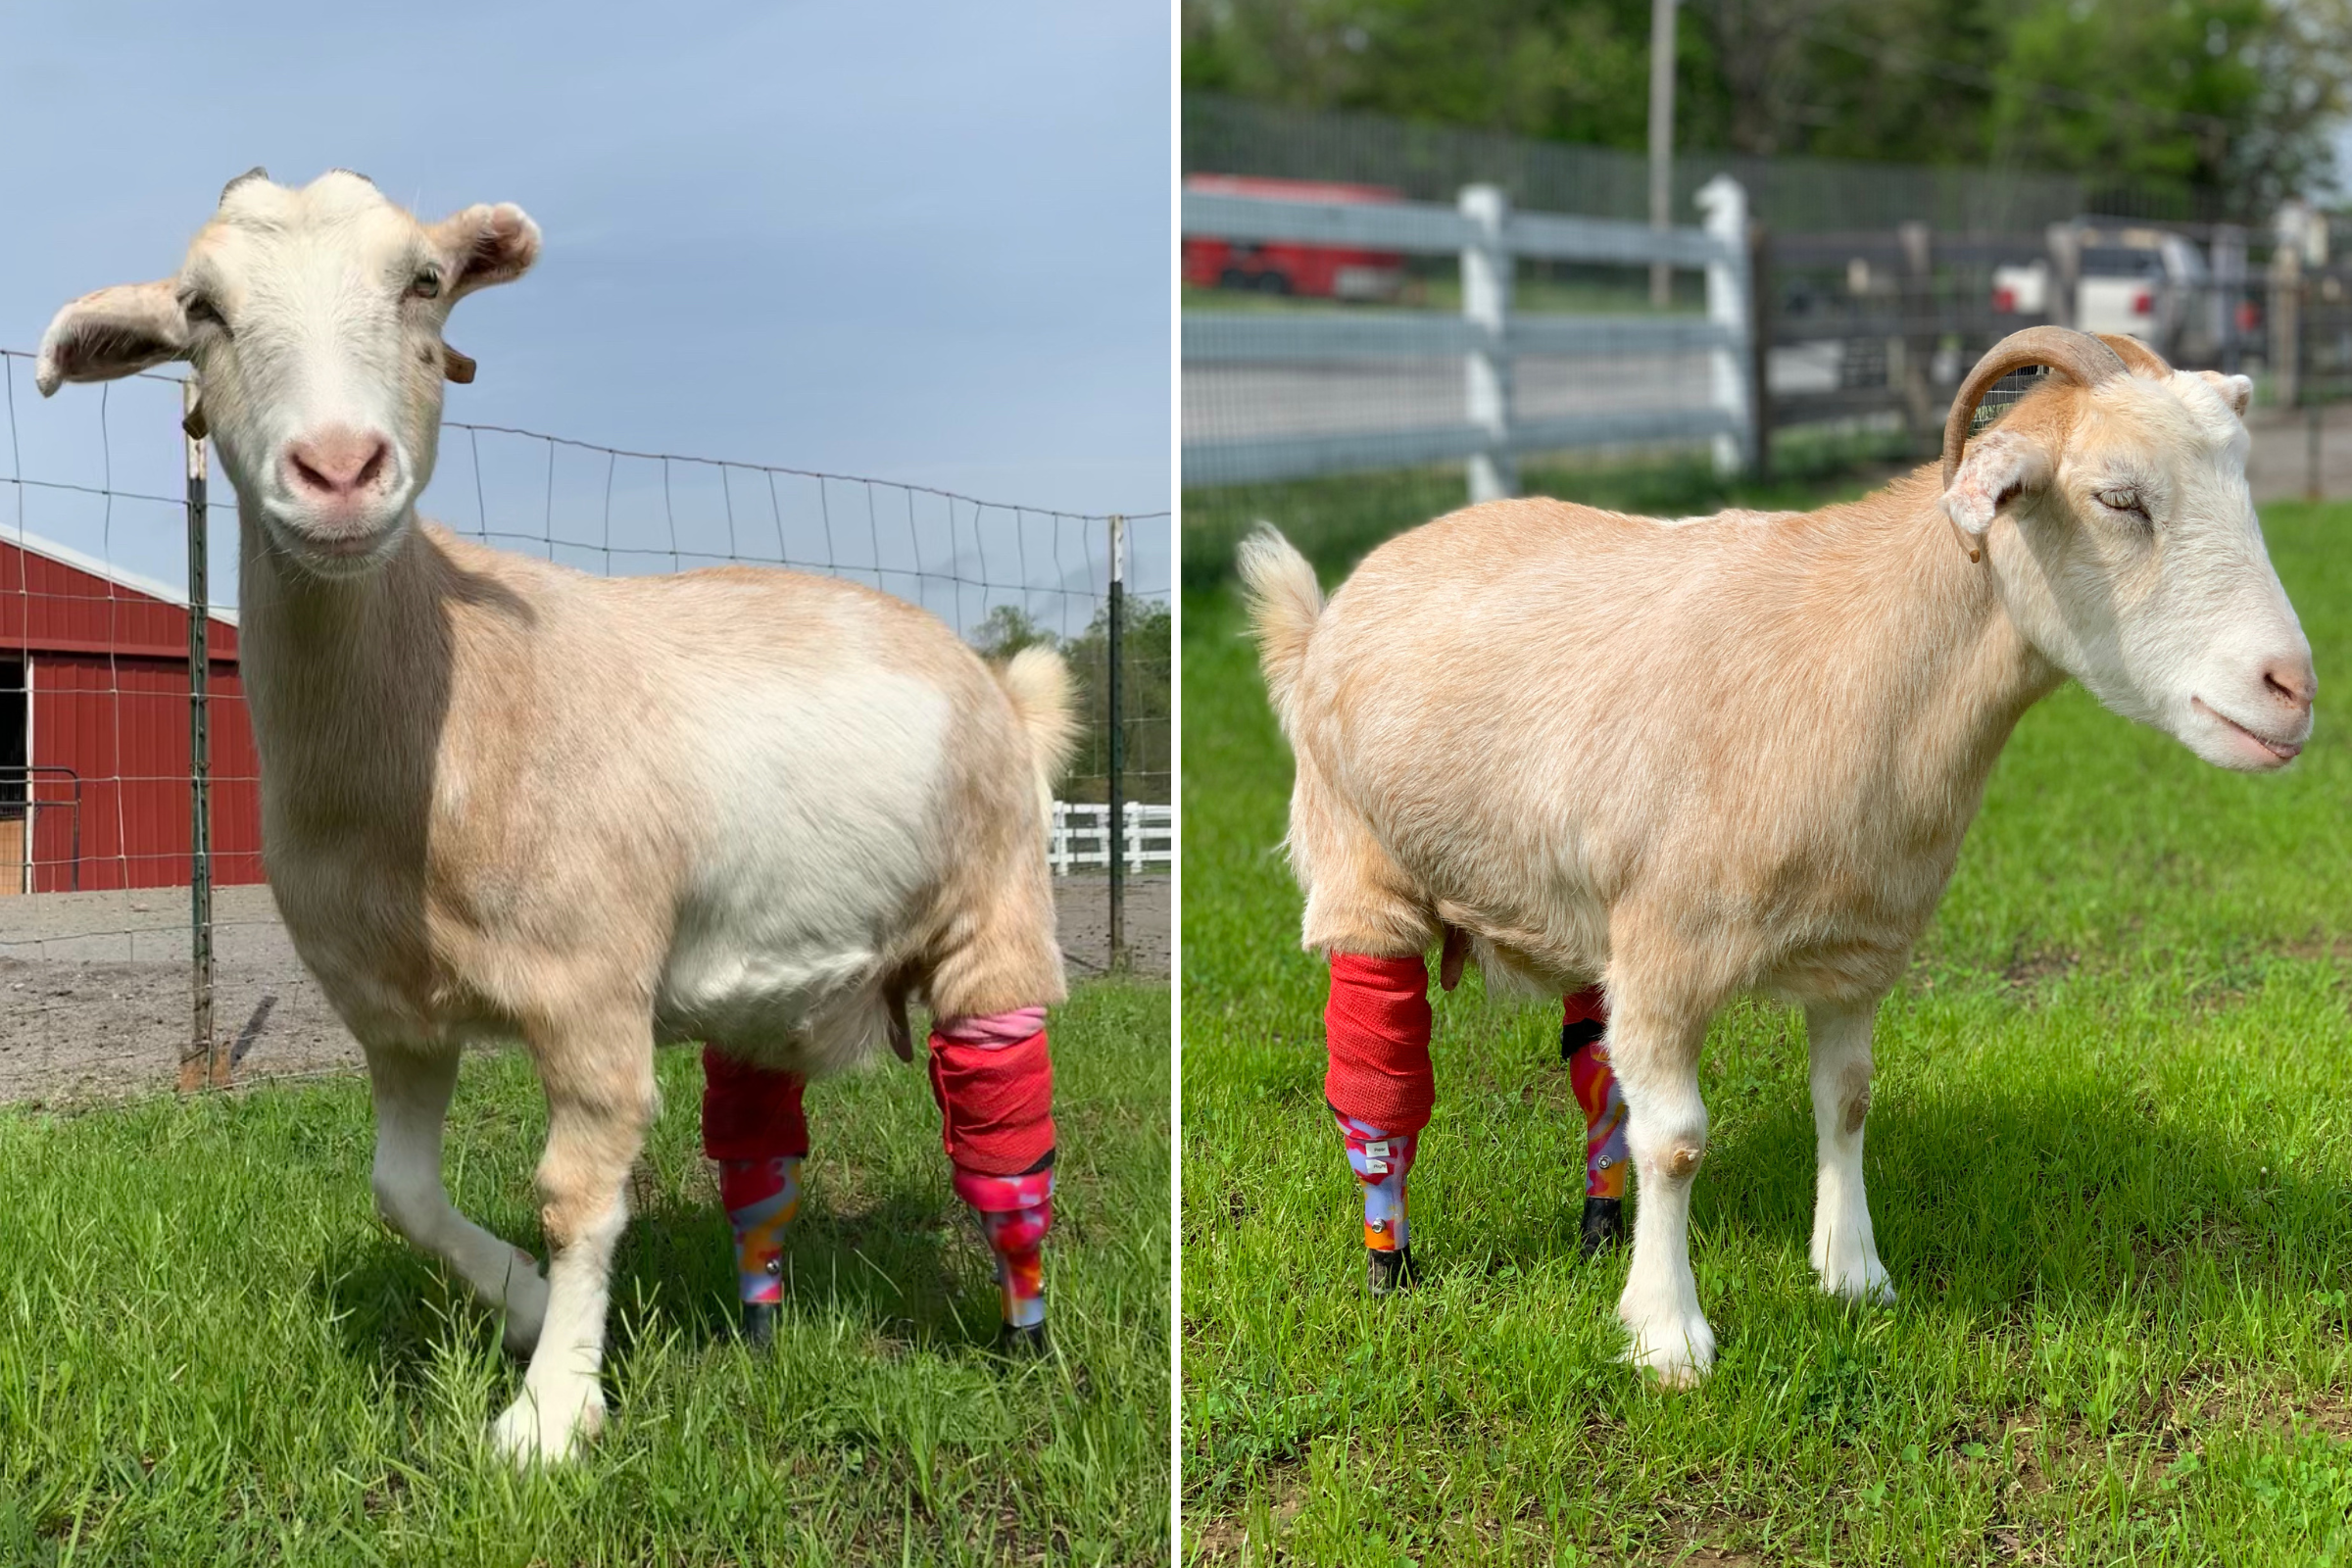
{"x":996,"y":1102}
{"x":1377,"y":1030}
{"x":751,"y":1112}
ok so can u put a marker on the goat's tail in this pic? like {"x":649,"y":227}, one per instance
{"x":1038,"y":684}
{"x":1284,"y":604}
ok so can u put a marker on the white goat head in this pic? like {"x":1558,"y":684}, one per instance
{"x":314,"y":320}
{"x":2113,"y":504}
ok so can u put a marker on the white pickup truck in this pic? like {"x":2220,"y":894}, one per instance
{"x":2147,"y":283}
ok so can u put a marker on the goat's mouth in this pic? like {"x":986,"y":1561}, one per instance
{"x":2259,"y":749}
{"x":342,"y":551}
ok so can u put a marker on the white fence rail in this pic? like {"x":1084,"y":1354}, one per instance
{"x":1320,"y":353}
{"x":1081,"y":836}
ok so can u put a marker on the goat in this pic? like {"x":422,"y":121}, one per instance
{"x":503,"y":799}
{"x":1737,"y":754}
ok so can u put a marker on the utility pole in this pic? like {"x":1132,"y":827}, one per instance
{"x":1661,"y":140}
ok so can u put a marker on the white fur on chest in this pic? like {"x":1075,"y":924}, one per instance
{"x":818,"y":839}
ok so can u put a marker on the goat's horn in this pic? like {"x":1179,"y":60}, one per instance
{"x":2079,"y":357}
{"x":2137,"y":356}
{"x":457,"y":367}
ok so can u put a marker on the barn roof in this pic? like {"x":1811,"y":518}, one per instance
{"x":57,"y":600}
{"x":120,"y":577}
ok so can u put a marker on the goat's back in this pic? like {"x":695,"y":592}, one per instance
{"x":1535,"y":711}
{"x":757,"y":798}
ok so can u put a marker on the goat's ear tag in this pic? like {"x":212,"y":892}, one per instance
{"x":457,"y":367}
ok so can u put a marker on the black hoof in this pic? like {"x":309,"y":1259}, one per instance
{"x":1604,"y":1224}
{"x":759,"y":1324}
{"x":1389,"y":1272}
{"x":1020,"y":1343}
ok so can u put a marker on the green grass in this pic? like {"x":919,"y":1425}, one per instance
{"x":2110,"y":1163}
{"x":212,"y":1352}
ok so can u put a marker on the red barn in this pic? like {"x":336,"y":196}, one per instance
{"x":94,"y":786}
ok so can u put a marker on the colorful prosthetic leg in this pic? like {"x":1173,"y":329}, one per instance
{"x":1585,"y":1048}
{"x":753,"y":1127}
{"x":1380,"y":1086}
{"x":993,"y":1082}
{"x":1014,"y":1214}
{"x":1381,"y":1160}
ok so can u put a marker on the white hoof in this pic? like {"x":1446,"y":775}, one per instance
{"x":1679,"y":1349}
{"x":526,"y":1307}
{"x":1863,"y":1280}
{"x":527,"y":1435}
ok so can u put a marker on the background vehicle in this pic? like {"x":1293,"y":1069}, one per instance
{"x":2150,"y":283}
{"x":1314,"y":271}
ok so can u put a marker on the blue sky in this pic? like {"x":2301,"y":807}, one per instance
{"x":924,"y":242}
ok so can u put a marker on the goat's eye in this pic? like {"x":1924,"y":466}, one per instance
{"x":426,"y":285}
{"x":202,"y":311}
{"x":2126,"y":500}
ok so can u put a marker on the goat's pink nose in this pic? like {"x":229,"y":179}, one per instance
{"x":337,"y":463}
{"x":2291,"y":682}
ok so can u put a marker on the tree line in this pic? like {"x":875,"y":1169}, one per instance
{"x":2238,"y":95}
{"x":1144,"y":695}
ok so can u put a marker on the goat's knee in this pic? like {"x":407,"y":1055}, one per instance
{"x":1670,"y":1142}
{"x":411,"y":1203}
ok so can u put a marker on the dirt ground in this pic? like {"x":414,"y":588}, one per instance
{"x":95,"y":987}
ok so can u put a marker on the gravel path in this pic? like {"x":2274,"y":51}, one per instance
{"x":94,"y":987}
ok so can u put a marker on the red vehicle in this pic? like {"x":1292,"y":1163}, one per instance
{"x":1315,"y":272}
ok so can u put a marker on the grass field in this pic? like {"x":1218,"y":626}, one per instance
{"x":2110,"y":1162}
{"x":213,"y":1353}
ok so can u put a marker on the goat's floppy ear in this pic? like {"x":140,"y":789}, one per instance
{"x":486,"y":245}
{"x":1998,"y":466}
{"x":2236,"y":390}
{"x":111,"y":333}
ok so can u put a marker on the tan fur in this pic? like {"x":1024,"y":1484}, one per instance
{"x":467,"y":838}
{"x":503,"y":800}
{"x":1528,"y":754}
{"x":1739,"y":754}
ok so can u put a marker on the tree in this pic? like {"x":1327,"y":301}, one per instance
{"x":1144,"y":700}
{"x":1145,"y":636}
{"x":1007,"y":629}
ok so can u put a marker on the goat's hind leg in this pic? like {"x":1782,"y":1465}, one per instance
{"x":1845,"y":1254}
{"x":599,"y":1077}
{"x":411,"y":1092}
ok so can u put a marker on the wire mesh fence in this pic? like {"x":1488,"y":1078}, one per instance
{"x":99,"y":862}
{"x":1873,"y":292}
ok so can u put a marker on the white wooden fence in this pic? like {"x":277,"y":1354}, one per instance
{"x":1361,"y":345}
{"x":1081,"y":836}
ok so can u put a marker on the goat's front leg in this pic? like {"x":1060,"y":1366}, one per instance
{"x":1654,"y":1050}
{"x":600,"y":1100}
{"x":1844,"y":1253}
{"x":412,"y":1091}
